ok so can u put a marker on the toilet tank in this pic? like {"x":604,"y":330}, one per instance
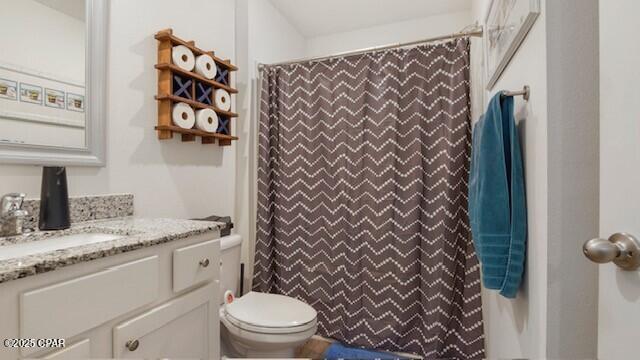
{"x":230,"y":247}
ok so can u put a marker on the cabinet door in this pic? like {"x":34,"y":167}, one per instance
{"x":186,"y":327}
{"x":79,"y":350}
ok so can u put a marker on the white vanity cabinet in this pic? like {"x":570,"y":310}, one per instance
{"x":156,"y":302}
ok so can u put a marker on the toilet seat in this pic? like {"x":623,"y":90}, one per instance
{"x":261,"y":342}
{"x":270,"y":314}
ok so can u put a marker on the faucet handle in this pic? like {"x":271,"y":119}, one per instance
{"x":11,"y":202}
{"x":12,"y":215}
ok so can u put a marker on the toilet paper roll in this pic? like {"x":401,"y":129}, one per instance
{"x":183,"y":57}
{"x":207,"y":120}
{"x":222,"y":100}
{"x":183,"y":116}
{"x":206,"y":66}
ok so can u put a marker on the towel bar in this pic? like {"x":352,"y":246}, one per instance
{"x":525,"y":93}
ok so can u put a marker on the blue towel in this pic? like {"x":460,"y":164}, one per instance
{"x":497,"y":209}
{"x":339,"y":351}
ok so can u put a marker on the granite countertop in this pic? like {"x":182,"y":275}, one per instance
{"x":137,"y":233}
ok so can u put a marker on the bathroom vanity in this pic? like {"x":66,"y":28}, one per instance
{"x":115,"y":288}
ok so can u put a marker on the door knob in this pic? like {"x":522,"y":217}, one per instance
{"x":132,"y":345}
{"x":621,"y":248}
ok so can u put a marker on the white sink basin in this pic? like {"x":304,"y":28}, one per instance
{"x":53,"y":244}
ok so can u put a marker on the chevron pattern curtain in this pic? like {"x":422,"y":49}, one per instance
{"x":362,"y":198}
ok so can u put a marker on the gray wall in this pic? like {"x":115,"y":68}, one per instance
{"x":573,"y":176}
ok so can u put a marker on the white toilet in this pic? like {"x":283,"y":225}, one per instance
{"x":259,"y":325}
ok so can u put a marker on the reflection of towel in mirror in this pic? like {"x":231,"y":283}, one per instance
{"x":497,"y":209}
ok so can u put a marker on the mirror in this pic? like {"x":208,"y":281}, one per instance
{"x":52,"y":78}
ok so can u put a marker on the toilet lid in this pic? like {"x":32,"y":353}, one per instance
{"x":270,"y":310}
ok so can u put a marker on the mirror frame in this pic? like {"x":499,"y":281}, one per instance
{"x":94,"y":154}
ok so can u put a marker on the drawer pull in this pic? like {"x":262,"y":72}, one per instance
{"x":204,"y":262}
{"x":132,"y":345}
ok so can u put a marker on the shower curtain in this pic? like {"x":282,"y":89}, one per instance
{"x":363,"y":164}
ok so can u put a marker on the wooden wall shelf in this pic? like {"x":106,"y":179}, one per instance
{"x":207,"y":138}
{"x":167,"y":98}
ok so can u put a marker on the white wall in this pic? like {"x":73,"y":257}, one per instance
{"x":402,"y":31}
{"x":263,"y":36}
{"x":554,"y":314}
{"x":168,"y":178}
{"x":516,"y":328}
{"x":271,"y":37}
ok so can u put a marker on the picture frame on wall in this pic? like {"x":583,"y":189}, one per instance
{"x":75,"y":102}
{"x":54,"y":98}
{"x":30,"y":94}
{"x":506,"y":26}
{"x":8,"y":89}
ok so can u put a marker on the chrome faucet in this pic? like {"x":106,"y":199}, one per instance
{"x":12,"y":215}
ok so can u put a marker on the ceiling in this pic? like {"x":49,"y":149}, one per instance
{"x":73,"y":8}
{"x":322,"y":17}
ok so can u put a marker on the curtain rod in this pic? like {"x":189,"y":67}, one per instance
{"x":475,"y":33}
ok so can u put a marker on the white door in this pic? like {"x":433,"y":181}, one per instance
{"x":619,"y":297}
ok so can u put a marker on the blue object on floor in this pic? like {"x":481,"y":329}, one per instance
{"x":339,"y":351}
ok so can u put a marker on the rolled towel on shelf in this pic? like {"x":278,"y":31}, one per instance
{"x":183,"y":57}
{"x":207,"y":120}
{"x":206,"y":66}
{"x":222,"y":100}
{"x":183,"y":116}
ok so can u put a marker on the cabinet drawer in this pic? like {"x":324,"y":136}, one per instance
{"x":196,"y":264}
{"x":186,"y":327}
{"x":75,"y":306}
